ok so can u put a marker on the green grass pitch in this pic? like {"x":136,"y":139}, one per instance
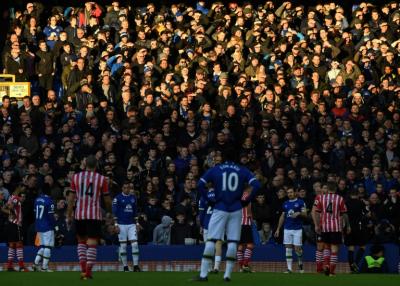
{"x":183,"y":278}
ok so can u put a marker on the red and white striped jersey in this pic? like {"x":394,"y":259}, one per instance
{"x":88,"y":186}
{"x":331,"y":207}
{"x":15,"y":205}
{"x":247,"y":216}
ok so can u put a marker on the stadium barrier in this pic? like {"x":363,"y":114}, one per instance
{"x":268,"y":258}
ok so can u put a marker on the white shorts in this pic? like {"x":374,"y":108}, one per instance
{"x":222,"y":222}
{"x":127,"y":232}
{"x":293,"y":237}
{"x":205,"y":232}
{"x":47,"y":238}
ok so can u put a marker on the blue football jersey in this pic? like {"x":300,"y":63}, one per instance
{"x":44,"y":213}
{"x":124,"y":208}
{"x":205,"y":212}
{"x":290,"y":207}
{"x":228,"y":180}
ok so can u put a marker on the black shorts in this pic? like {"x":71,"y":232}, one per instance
{"x":332,"y":237}
{"x":318,"y":238}
{"x":357,"y":237}
{"x":90,"y":228}
{"x":246,"y":235}
{"x":14,"y":232}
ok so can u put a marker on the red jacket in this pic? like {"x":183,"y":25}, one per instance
{"x":94,"y":12}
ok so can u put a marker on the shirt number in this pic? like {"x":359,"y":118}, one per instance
{"x":230,"y":181}
{"x":39,"y":211}
{"x":329,"y":208}
{"x":88,"y":190}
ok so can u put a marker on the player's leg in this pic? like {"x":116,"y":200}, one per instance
{"x":11,"y":233}
{"x":360,"y":239}
{"x":94,"y":232}
{"x":123,"y":242}
{"x":239,"y":255}
{"x":20,"y":255}
{"x":48,"y":242}
{"x":336,"y":240}
{"x":319,"y":254}
{"x":334,"y":258}
{"x":359,"y":255}
{"x":39,"y":254}
{"x":326,"y":238}
{"x":350,"y":257}
{"x":82,"y":244}
{"x":233,"y":231}
{"x":11,"y":255}
{"x":216,"y":229}
{"x":218,"y":256}
{"x":288,"y":242}
{"x":298,"y":242}
{"x":247,"y":255}
{"x":132,"y":236}
{"x":20,"y":250}
{"x":38,"y":258}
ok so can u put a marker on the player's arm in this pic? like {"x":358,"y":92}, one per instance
{"x":106,"y":197}
{"x":345,"y":217}
{"x":202,"y":210}
{"x":315,"y":214}
{"x":114,"y":208}
{"x":202,"y":183}
{"x":280,"y":223}
{"x":107,"y":203}
{"x":346,"y":222}
{"x":51,"y":213}
{"x":71,"y":198}
{"x":254,"y":186}
{"x":303,"y":211}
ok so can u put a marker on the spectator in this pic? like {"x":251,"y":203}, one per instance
{"x":162,"y":232}
{"x":305,"y":94}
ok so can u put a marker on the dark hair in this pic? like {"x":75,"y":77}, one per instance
{"x":91,"y":162}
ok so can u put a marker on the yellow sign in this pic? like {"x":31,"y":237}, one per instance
{"x":14,"y":89}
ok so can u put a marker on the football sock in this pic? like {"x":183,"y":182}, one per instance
{"x":122,"y":253}
{"x":217,"y":262}
{"x":20,"y":257}
{"x":82,"y":248}
{"x":327,"y":257}
{"x":230,"y":259}
{"x":11,"y":255}
{"x":239,"y":256}
{"x":208,"y":254}
{"x":299,"y":254}
{"x":359,"y":255}
{"x":289,"y":258}
{"x":333,"y":262}
{"x":247,"y":256}
{"x":39,"y":256}
{"x":319,"y":260}
{"x":46,"y":257}
{"x":135,"y":253}
{"x":91,"y":259}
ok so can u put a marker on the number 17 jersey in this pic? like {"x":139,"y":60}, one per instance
{"x":88,"y":186}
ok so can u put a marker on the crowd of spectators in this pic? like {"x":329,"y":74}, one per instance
{"x":304,"y":94}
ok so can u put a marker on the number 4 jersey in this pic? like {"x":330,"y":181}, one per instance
{"x":331,"y":207}
{"x":44,"y":214}
{"x":88,"y":186}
